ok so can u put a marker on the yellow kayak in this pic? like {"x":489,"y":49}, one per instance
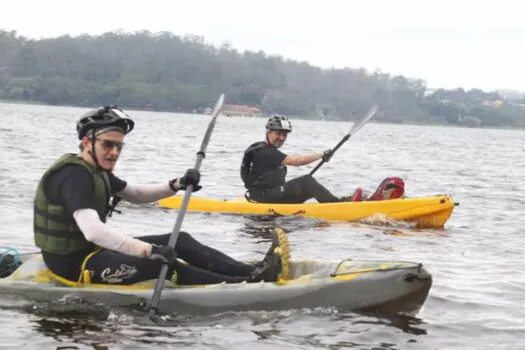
{"x":421,"y":212}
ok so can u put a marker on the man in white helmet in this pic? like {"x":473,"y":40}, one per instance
{"x":263,"y":171}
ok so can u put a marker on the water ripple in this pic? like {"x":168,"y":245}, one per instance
{"x":476,"y":260}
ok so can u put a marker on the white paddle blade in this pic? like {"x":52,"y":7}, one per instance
{"x":363,"y":121}
{"x":218,"y":105}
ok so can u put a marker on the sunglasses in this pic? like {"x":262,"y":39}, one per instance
{"x":108,"y":145}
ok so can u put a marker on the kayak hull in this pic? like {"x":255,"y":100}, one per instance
{"x":382,"y":286}
{"x":420,"y":212}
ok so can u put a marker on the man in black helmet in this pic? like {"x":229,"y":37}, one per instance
{"x":72,"y":202}
{"x":263,"y":169}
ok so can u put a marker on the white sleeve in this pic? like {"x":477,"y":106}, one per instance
{"x":145,"y":193}
{"x":107,"y":237}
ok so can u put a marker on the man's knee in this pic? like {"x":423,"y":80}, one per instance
{"x":183,"y":234}
{"x":185,"y":240}
{"x":164,"y":239}
{"x":306,"y":180}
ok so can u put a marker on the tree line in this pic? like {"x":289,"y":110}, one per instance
{"x":165,"y":72}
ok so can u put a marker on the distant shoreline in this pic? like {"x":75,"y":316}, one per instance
{"x":183,"y":74}
{"x":22,"y":102}
{"x":384,"y":122}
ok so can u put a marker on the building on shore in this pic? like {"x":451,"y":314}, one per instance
{"x":230,"y":110}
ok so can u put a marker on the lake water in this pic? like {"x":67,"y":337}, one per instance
{"x":477,"y":300}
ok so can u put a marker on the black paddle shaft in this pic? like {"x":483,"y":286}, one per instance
{"x":345,"y":138}
{"x":355,"y":127}
{"x":178,"y":223}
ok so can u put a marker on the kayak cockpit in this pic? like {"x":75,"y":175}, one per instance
{"x":33,"y":269}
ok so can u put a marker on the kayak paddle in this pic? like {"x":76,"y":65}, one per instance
{"x":355,"y":127}
{"x":178,"y":223}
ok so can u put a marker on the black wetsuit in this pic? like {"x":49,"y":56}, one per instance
{"x":264,"y":177}
{"x":72,"y":186}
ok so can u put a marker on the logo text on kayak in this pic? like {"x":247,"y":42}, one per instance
{"x":118,"y":275}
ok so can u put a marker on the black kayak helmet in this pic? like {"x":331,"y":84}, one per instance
{"x":104,"y":118}
{"x":98,"y":121}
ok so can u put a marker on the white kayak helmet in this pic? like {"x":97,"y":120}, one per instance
{"x":279,"y":123}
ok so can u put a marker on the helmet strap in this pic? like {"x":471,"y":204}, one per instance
{"x":268,"y":140}
{"x":92,"y":153}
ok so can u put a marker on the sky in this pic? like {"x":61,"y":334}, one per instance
{"x":449,"y":44}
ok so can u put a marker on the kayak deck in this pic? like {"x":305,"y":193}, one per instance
{"x":421,"y":212}
{"x":384,"y":286}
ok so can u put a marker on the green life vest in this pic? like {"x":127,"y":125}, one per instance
{"x":55,"y":230}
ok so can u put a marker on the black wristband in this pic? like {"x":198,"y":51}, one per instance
{"x":171,"y":183}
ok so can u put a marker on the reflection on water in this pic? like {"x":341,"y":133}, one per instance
{"x":76,"y":330}
{"x":273,"y":327}
{"x":264,"y":226}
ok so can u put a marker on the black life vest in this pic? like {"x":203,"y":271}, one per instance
{"x":267,"y":179}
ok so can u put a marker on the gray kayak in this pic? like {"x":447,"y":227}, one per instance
{"x":358,"y":285}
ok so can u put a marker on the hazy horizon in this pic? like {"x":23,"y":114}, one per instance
{"x":476,"y":46}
